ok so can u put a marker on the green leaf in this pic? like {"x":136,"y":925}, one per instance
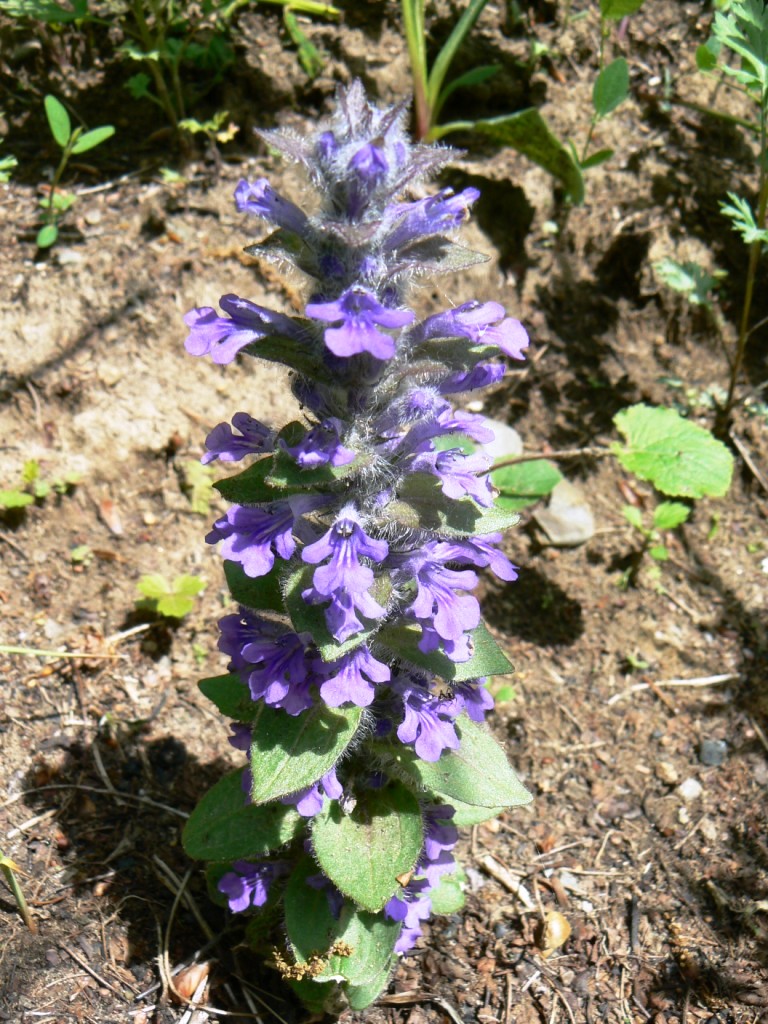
{"x":597,"y":158}
{"x":739,"y":212}
{"x":634,"y":517}
{"x":286,"y":472}
{"x":364,"y":852}
{"x":45,"y":10}
{"x":670,"y":514}
{"x":153,"y":586}
{"x":225,"y":827}
{"x":421,"y":502}
{"x":231,"y":696}
{"x":262,"y":593}
{"x":678,"y":457}
{"x":477,"y":774}
{"x":15,"y":499}
{"x":528,"y":133}
{"x":198,"y":485}
{"x":138,"y":86}
{"x":448,"y":896}
{"x":46,"y":236}
{"x":448,"y":51}
{"x":291,"y":352}
{"x":707,"y":54}
{"x":187,"y":585}
{"x":487,"y":659}
{"x":310,"y":57}
{"x":617,"y":9}
{"x":470,"y":814}
{"x":611,"y":87}
{"x":93,"y":138}
{"x":313,"y":930}
{"x":175,"y":606}
{"x":250,"y":487}
{"x":289,"y":753}
{"x":58,"y":120}
{"x":659,"y":553}
{"x":689,"y":279}
{"x":525,"y":482}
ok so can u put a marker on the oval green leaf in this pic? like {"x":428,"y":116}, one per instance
{"x":58,"y":120}
{"x":611,"y":87}
{"x":364,"y":852}
{"x":93,"y":138}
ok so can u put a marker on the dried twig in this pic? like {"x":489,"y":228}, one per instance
{"x":89,"y":970}
{"x":508,"y":880}
{"x":726,"y":677}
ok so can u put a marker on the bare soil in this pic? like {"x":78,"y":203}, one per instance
{"x":657,"y":859}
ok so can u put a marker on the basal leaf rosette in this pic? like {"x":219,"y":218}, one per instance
{"x":352,"y":543}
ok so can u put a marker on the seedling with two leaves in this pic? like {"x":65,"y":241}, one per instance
{"x":72,"y":143}
{"x":33,"y":487}
{"x":171,"y":600}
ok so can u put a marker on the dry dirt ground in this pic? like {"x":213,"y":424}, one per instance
{"x":656,"y":856}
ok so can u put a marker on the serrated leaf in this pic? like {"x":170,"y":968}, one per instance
{"x":448,"y":895}
{"x":296,"y":355}
{"x":527,"y":132}
{"x":611,"y":87}
{"x":312,"y":929}
{"x":46,"y":236}
{"x":175,"y":606}
{"x":617,"y":9}
{"x":670,"y":514}
{"x":153,"y":586}
{"x":15,"y":499}
{"x":364,"y":852}
{"x":93,"y":138}
{"x":487,"y":659}
{"x":310,"y":57}
{"x":678,"y":457}
{"x":634,"y":516}
{"x":261,"y":593}
{"x":478,"y":773}
{"x":58,"y":120}
{"x":289,"y":753}
{"x":689,"y":279}
{"x":224,"y":827}
{"x":707,"y":54}
{"x":525,"y":483}
{"x":231,"y":696}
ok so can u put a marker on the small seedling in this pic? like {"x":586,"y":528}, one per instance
{"x":81,"y":557}
{"x":7,"y":164}
{"x":72,"y":143}
{"x":197,"y":484}
{"x":690,"y":280}
{"x":171,"y":600}
{"x":9,"y":870}
{"x":33,"y":488}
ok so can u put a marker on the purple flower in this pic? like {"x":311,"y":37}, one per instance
{"x":241,"y":736}
{"x":222,"y":338}
{"x":459,"y":474}
{"x":431,"y":216}
{"x":309,"y":802}
{"x":411,"y":906}
{"x":260,"y":198}
{"x":247,"y":885}
{"x":358,"y":313}
{"x":473,"y":699}
{"x":480,"y":376}
{"x":240,"y":629}
{"x":222,"y":443}
{"x":457,"y":650}
{"x":419,"y":437}
{"x":351,"y":679}
{"x":320,"y":446}
{"x":368,"y":167}
{"x":480,"y":551}
{"x":476,"y":321}
{"x":334,"y":897}
{"x":343,"y":578}
{"x":428,"y":721}
{"x":437,"y":604}
{"x":252,"y":536}
{"x":282,"y":676}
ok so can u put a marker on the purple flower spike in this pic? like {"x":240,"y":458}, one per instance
{"x":430,"y":216}
{"x":222,"y":338}
{"x":352,"y":679}
{"x":281,"y":677}
{"x":252,"y":536}
{"x":473,"y":698}
{"x":309,"y":802}
{"x":480,"y":376}
{"x":247,"y":885}
{"x":475,"y":321}
{"x":439,"y":833}
{"x":239,"y":630}
{"x":411,"y":906}
{"x":480,"y":551}
{"x":321,"y":446}
{"x":222,"y":443}
{"x":260,"y":198}
{"x":359,"y":312}
{"x":344,"y":579}
{"x":428,"y":721}
{"x":437,"y":604}
{"x":459,"y":474}
{"x":241,"y":736}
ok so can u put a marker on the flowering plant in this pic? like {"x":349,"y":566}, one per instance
{"x":358,"y":658}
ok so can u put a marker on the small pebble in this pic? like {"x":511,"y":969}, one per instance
{"x":713,"y":752}
{"x":690,"y":789}
{"x":666,"y":772}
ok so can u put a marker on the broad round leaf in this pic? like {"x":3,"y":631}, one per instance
{"x":670,"y":514}
{"x":290,"y":753}
{"x":616,"y":9}
{"x":46,"y":236}
{"x":225,"y":827}
{"x":678,"y":457}
{"x":364,"y":852}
